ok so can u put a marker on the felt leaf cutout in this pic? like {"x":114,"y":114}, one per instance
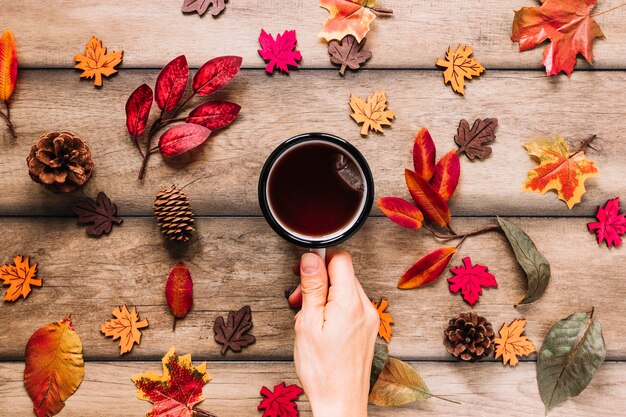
{"x":427,"y":269}
{"x":534,"y":264}
{"x":401,"y":212}
{"x":384,"y":329}
{"x":215,"y":74}
{"x":511,"y":344}
{"x":234,"y":333}
{"x":8,"y":65}
{"x":171,"y":83}
{"x":182,"y":138}
{"x":96,"y":63}
{"x":381,"y":356}
{"x":177,"y":391}
{"x":100,"y":213}
{"x":214,"y":114}
{"x":201,"y":6}
{"x":138,"y":109}
{"x":19,"y":277}
{"x":179,"y":291}
{"x":348,"y":53}
{"x":572,"y":352}
{"x":280,"y":52}
{"x":428,"y":200}
{"x":54,"y":366}
{"x":471,"y":280}
{"x":347,"y":17}
{"x":472,"y":140}
{"x":280,"y":402}
{"x":568,"y":25}
{"x":424,"y":154}
{"x":125,"y":326}
{"x":459,"y":66}
{"x":373,"y":113}
{"x":447,"y":173}
{"x":558,"y":169}
{"x":398,"y":384}
{"x":611,"y":224}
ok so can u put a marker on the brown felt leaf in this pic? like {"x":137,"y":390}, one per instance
{"x":348,"y":53}
{"x":472,"y":140}
{"x":201,"y":6}
{"x":100,"y":213}
{"x":234,"y":333}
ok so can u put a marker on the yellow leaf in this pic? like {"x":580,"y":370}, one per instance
{"x":373,"y":113}
{"x":347,"y":17}
{"x":125,"y":326}
{"x":398,"y":384}
{"x":96,"y":62}
{"x":384,"y":330}
{"x":512,"y":344}
{"x":459,"y":66}
{"x":19,"y":276}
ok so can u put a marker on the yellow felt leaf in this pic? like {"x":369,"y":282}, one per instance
{"x":96,"y":62}
{"x":19,"y":277}
{"x":373,"y":113}
{"x":459,"y":66}
{"x":125,"y":326}
{"x":511,"y":344}
{"x":384,"y":329}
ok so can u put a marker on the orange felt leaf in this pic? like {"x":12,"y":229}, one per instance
{"x":8,"y":65}
{"x":427,"y":269}
{"x":512,"y":344}
{"x":125,"y":326}
{"x":459,"y":66}
{"x":374,"y":113}
{"x":427,"y":199}
{"x":19,"y":277}
{"x":384,"y":329}
{"x":96,"y":62}
{"x":401,"y":212}
{"x":347,"y":17}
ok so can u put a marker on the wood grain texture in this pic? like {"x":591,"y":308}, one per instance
{"x":527,"y":104}
{"x":151,"y":32}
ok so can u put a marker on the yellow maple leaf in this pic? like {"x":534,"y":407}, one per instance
{"x":512,"y":344}
{"x":373,"y":113}
{"x":19,"y":276}
{"x":459,"y":66}
{"x":96,"y":62}
{"x":125,"y":326}
{"x":384,"y":329}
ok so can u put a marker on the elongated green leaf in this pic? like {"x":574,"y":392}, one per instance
{"x":398,"y":384}
{"x":572,"y":352}
{"x":381,"y":355}
{"x":535,"y":265}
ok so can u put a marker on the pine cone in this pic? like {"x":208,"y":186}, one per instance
{"x":60,"y":161}
{"x":174,"y":215}
{"x":469,"y":337}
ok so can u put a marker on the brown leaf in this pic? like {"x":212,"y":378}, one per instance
{"x":234,"y":334}
{"x":100,"y":213}
{"x":472,"y":141}
{"x":201,"y":6}
{"x":348,"y":53}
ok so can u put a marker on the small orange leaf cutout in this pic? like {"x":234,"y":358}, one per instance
{"x":384,"y":329}
{"x":125,"y":326}
{"x":512,"y":344}
{"x":19,"y":277}
{"x":459,"y":66}
{"x":96,"y":62}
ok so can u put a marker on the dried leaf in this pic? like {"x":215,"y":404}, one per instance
{"x":384,"y":329}
{"x":96,"y":62}
{"x":424,"y":153}
{"x":381,"y":356}
{"x":19,"y":277}
{"x":472,"y":141}
{"x":138,"y":109}
{"x":447,"y":173}
{"x":8,"y":65}
{"x":611,"y":223}
{"x":214,"y":114}
{"x":171,"y":83}
{"x":373,"y":113}
{"x":201,"y":6}
{"x":280,"y":52}
{"x":347,"y":17}
{"x":471,"y":280}
{"x":281,"y":402}
{"x":401,"y":212}
{"x":511,"y":344}
{"x":215,"y":74}
{"x":348,"y":53}
{"x":234,"y":334}
{"x":427,"y":269}
{"x":179,"y":291}
{"x":182,"y":138}
{"x":100,"y":213}
{"x":125,"y":326}
{"x":54,"y":366}
{"x":459,"y":66}
{"x":398,"y":384}
{"x":428,"y":200}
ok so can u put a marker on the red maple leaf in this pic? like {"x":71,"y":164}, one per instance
{"x":279,"y":52}
{"x":469,"y":280}
{"x":280,"y":403}
{"x":610,"y":225}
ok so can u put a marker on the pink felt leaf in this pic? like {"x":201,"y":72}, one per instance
{"x":611,"y":223}
{"x":470,"y":280}
{"x":280,"y":52}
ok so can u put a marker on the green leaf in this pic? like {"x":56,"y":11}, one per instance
{"x":381,"y":355}
{"x":572,"y":352}
{"x":534,"y":264}
{"x":398,"y":384}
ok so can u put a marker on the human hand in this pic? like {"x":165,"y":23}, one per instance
{"x":335,"y":335}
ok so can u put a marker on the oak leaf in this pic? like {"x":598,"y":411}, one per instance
{"x":470,"y":280}
{"x":100,"y":213}
{"x":511,"y":344}
{"x":348,"y":53}
{"x":347,"y":17}
{"x":280,"y":52}
{"x":234,"y":333}
{"x":384,"y":329}
{"x":96,"y":62}
{"x":201,"y":6}
{"x":611,"y":223}
{"x":472,"y":140}
{"x":459,"y":66}
{"x":19,"y":277}
{"x":373,"y":113}
{"x":280,"y":402}
{"x":125,"y":326}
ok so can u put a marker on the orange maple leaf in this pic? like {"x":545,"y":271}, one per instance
{"x":512,"y":344}
{"x":347,"y":17}
{"x":384,"y":329}
{"x":459,"y":66}
{"x":125,"y":326}
{"x":96,"y":62}
{"x":19,"y":276}
{"x":374,"y":113}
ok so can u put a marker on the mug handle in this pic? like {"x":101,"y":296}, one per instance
{"x":321,"y":252}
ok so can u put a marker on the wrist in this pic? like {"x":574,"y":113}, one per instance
{"x":338,"y":409}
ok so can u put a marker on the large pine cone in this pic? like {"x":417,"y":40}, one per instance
{"x":60,"y":161}
{"x":469,"y":337}
{"x":173,"y":213}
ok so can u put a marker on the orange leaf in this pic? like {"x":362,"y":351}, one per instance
{"x":384,"y":329}
{"x":96,"y":62}
{"x":424,"y":154}
{"x":347,"y":17}
{"x":401,"y":212}
{"x":447,"y":174}
{"x":125,"y":326}
{"x":374,"y":113}
{"x":427,"y":269}
{"x":8,"y":65}
{"x":459,"y":66}
{"x":427,"y":199}
{"x":512,"y":344}
{"x":19,"y":276}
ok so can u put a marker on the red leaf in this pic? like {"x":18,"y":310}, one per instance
{"x":171,"y":83}
{"x":469,"y":280}
{"x":427,"y":269}
{"x":138,"y":109}
{"x":279,"y":52}
{"x":610,"y":225}
{"x":182,"y":138}
{"x":424,"y":154}
{"x":447,"y":174}
{"x":427,"y":199}
{"x":401,"y":212}
{"x":214,"y":114}
{"x":215,"y":74}
{"x":179,"y":290}
{"x":280,"y":403}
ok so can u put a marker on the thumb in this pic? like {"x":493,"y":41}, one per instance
{"x":314,"y":283}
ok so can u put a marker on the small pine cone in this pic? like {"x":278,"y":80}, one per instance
{"x":60,"y":161}
{"x":469,"y":337}
{"x":174,"y":215}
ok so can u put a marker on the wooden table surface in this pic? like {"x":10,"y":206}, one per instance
{"x":235,"y":257}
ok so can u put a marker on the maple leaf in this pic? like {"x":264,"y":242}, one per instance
{"x":177,"y":391}
{"x":234,"y":334}
{"x":611,"y":223}
{"x":559,"y":170}
{"x":96,"y":62}
{"x":459,"y":66}
{"x":201,"y":6}
{"x":472,"y":140}
{"x":470,"y":280}
{"x":280,"y":403}
{"x":19,"y":276}
{"x":125,"y":326}
{"x":348,"y":53}
{"x":384,"y":329}
{"x":279,"y":52}
{"x":568,"y":25}
{"x":373,"y":113}
{"x":512,"y":344}
{"x":347,"y":17}
{"x":100,"y":213}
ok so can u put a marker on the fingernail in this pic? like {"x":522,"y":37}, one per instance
{"x":289,"y":291}
{"x":309,"y":263}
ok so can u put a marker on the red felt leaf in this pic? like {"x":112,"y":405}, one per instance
{"x":424,"y":154}
{"x":182,"y":138}
{"x":280,"y":52}
{"x":215,"y":74}
{"x":470,"y":280}
{"x":179,"y":290}
{"x":611,"y":223}
{"x":427,"y":199}
{"x":214,"y":114}
{"x":401,"y":212}
{"x":280,"y":403}
{"x":171,"y":83}
{"x":138,"y":109}
{"x":427,"y":269}
{"x":447,"y":172}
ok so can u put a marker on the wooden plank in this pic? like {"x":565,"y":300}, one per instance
{"x":274,"y":109}
{"x":153,"y":32}
{"x":240,"y":261}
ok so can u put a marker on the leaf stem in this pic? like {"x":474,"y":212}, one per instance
{"x":7,"y":119}
{"x":197,"y":412}
{"x":381,"y":10}
{"x":583,"y":145}
{"x":138,"y":147}
{"x":464,"y":235}
{"x":608,"y":11}
{"x":445,"y":399}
